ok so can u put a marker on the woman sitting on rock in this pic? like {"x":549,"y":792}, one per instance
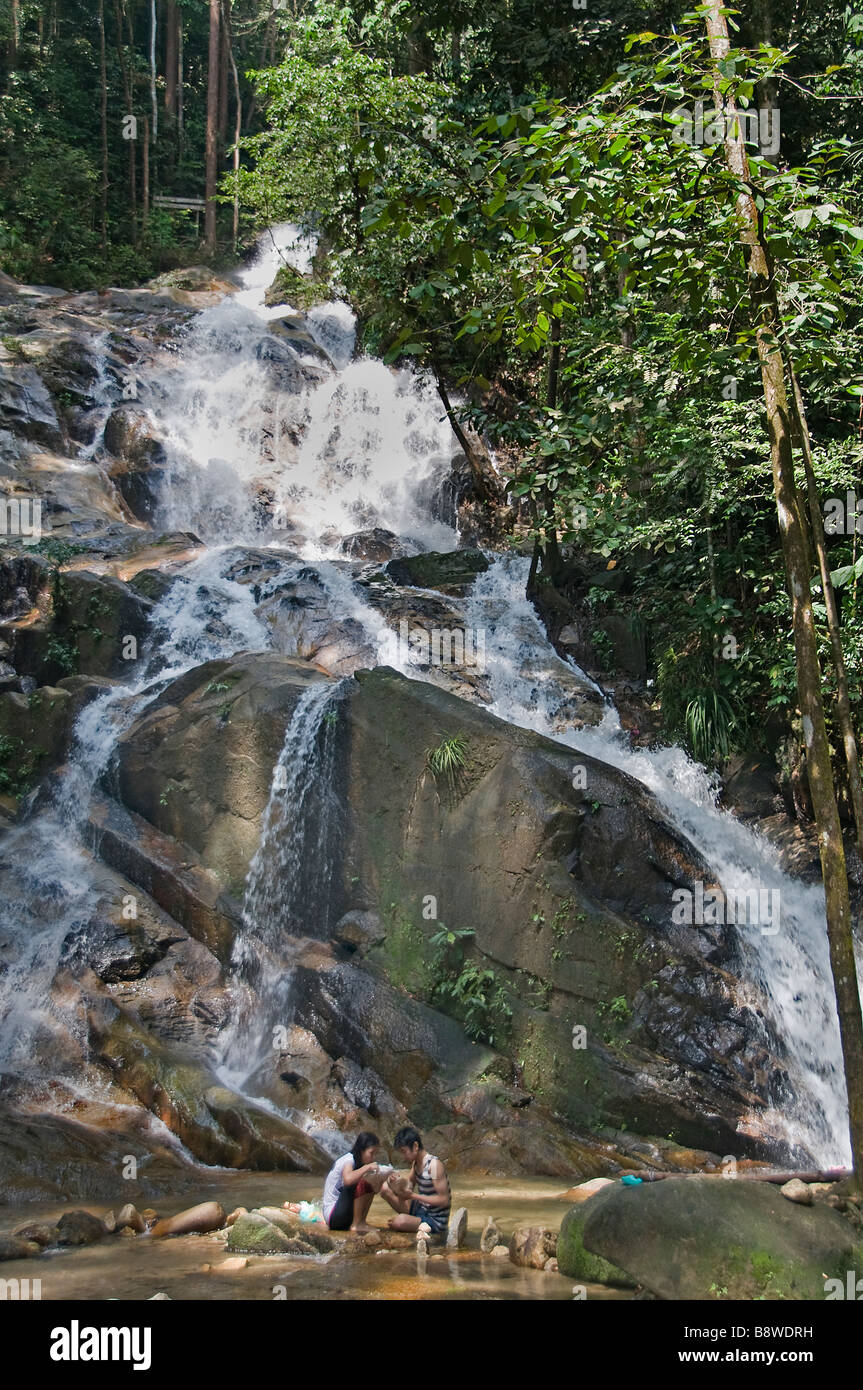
{"x":351,"y":1185}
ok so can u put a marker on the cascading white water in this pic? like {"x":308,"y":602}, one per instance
{"x":289,"y":881}
{"x":266,"y":441}
{"x":50,"y":889}
{"x":365,"y":445}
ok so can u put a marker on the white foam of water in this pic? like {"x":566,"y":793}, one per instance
{"x":244,"y":416}
{"x":376,"y":446}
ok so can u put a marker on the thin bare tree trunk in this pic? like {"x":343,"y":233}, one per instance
{"x":223,"y":84}
{"x":13,"y":36}
{"x":103,"y":118}
{"x":171,"y":24}
{"x":843,"y":699}
{"x":238,"y":121}
{"x":154,"y":105}
{"x":181,"y":90}
{"x":792,"y":528}
{"x":212,"y":156}
{"x":145,"y":175}
{"x":129,"y":100}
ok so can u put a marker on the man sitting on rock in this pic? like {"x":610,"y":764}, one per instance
{"x":424,"y":1199}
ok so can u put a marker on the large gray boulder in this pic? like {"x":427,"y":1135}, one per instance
{"x":709,"y":1238}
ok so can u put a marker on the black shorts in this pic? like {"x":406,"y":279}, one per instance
{"x":342,"y":1213}
{"x":434,"y":1217}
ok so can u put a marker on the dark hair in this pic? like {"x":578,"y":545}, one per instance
{"x":407,"y":1137}
{"x":364,"y":1140}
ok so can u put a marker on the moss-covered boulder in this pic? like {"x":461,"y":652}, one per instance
{"x":34,"y":731}
{"x":449,"y":572}
{"x":253,"y":1234}
{"x":576,"y":1262}
{"x":713,"y":1238}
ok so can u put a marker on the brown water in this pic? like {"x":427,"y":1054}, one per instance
{"x":134,"y":1269}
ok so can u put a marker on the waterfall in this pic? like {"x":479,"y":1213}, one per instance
{"x":267,"y":441}
{"x":290,"y":880}
{"x":276,"y":436}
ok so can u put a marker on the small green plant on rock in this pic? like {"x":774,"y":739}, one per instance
{"x":449,"y":758}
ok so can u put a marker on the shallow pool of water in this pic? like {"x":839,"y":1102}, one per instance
{"x":134,"y":1269}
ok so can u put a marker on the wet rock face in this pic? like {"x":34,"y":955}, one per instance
{"x":565,"y":892}
{"x":138,"y":467}
{"x":199,"y":764}
{"x":377,"y":545}
{"x":569,"y":896}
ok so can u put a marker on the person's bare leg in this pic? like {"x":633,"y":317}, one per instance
{"x":403,"y":1222}
{"x":361,"y":1206}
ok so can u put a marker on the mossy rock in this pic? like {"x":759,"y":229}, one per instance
{"x":290,"y":287}
{"x":712,"y":1238}
{"x":448,"y":572}
{"x":575,"y":1261}
{"x":253,"y":1234}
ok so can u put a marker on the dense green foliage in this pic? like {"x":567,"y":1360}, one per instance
{"x":51,"y":141}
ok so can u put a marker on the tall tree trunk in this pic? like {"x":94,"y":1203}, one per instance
{"x":792,"y":529}
{"x":212,"y":156}
{"x":154,"y":105}
{"x":553,"y":376}
{"x":181,"y":89}
{"x":224,"y":66}
{"x":843,"y":698}
{"x":12,"y":51}
{"x":238,"y":122}
{"x":172,"y":19}
{"x":103,"y":118}
{"x":129,"y":101}
{"x":145,"y":175}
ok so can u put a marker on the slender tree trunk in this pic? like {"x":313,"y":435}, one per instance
{"x":792,"y":529}
{"x":145,"y":175}
{"x":483,"y":483}
{"x":154,"y":105}
{"x":128,"y":99}
{"x":103,"y":117}
{"x":212,"y":157}
{"x":13,"y":36}
{"x":553,"y":376}
{"x":181,"y":90}
{"x":238,"y":122}
{"x":843,"y":699}
{"x":223,"y":83}
{"x":172,"y":16}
